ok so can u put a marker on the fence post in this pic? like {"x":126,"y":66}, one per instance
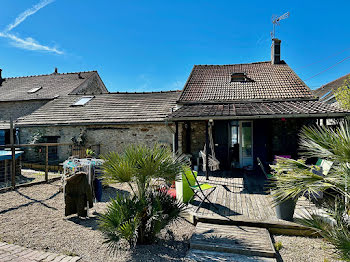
{"x":47,"y":163}
{"x":13,"y":150}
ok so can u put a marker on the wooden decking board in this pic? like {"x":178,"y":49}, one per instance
{"x":233,"y":239}
{"x":212,"y":256}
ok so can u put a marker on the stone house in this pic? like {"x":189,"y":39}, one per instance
{"x":245,"y":111}
{"x":109,"y":121}
{"x":20,"y":96}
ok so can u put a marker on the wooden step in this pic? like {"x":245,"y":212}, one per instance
{"x":243,"y":240}
{"x":212,"y":256}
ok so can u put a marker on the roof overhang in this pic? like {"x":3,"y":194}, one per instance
{"x":258,"y":110}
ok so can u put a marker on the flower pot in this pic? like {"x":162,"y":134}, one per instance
{"x":285,"y":209}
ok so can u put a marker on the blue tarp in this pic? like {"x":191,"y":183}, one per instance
{"x":4,"y":154}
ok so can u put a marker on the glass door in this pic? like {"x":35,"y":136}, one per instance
{"x":246,"y":144}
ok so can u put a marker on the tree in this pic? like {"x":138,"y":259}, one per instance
{"x":342,"y":94}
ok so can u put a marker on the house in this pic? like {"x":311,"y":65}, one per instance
{"x":110,"y":121}
{"x":20,"y":96}
{"x":245,"y":111}
{"x":326,"y":92}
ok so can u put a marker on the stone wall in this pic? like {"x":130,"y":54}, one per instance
{"x":109,"y":137}
{"x":19,"y":108}
{"x":93,"y":85}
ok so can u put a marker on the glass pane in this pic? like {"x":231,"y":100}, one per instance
{"x":234,"y":135}
{"x":247,"y":139}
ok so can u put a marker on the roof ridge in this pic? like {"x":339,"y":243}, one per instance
{"x":335,"y":80}
{"x":252,"y":63}
{"x":147,"y":92}
{"x":67,"y":73}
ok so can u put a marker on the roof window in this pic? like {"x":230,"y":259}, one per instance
{"x":239,"y":77}
{"x":83,"y":100}
{"x":34,"y":90}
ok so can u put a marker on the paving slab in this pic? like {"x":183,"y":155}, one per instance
{"x":15,"y":253}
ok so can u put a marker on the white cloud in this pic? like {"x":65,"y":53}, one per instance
{"x":31,"y":11}
{"x":28,"y":43}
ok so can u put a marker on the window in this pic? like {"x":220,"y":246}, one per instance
{"x":34,"y":90}
{"x":240,"y":77}
{"x":83,"y":100}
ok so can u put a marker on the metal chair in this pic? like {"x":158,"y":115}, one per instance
{"x":199,"y":189}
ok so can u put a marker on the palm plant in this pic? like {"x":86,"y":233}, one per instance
{"x":294,"y":178}
{"x":138,"y":218}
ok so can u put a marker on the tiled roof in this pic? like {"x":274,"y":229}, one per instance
{"x":325,"y":92}
{"x":212,"y":83}
{"x":52,"y":85}
{"x":4,"y":125}
{"x":110,"y":108}
{"x":257,"y":110}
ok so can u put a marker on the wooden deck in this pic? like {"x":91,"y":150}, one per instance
{"x":241,"y":198}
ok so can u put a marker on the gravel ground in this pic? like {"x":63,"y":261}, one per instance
{"x":34,"y":217}
{"x":304,"y":249}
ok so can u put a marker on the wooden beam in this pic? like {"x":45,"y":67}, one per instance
{"x":176,"y":136}
{"x":207,"y":149}
{"x":47,"y":163}
{"x":13,"y":150}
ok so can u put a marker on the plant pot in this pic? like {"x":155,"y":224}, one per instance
{"x":285,"y":209}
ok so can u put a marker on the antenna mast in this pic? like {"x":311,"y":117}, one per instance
{"x":276,"y":21}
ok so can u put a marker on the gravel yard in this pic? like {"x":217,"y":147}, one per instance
{"x":34,"y":217}
{"x":304,"y":249}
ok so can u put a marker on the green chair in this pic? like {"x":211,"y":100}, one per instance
{"x":201,"y":190}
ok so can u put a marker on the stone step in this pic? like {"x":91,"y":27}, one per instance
{"x":212,"y":256}
{"x":251,"y":241}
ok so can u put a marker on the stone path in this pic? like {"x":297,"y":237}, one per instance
{"x":15,"y":253}
{"x":230,"y":243}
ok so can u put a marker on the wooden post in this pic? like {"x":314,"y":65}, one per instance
{"x":13,"y":150}
{"x":176,"y":137}
{"x":207,"y":150}
{"x":188,"y":137}
{"x":47,"y":163}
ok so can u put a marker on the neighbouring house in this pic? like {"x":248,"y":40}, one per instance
{"x":110,"y":121}
{"x":245,"y":111}
{"x":326,"y":92}
{"x":20,"y":96}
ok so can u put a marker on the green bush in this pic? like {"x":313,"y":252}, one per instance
{"x":136,"y":220}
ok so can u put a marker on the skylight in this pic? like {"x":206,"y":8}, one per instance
{"x":83,"y":100}
{"x":239,"y":77}
{"x":33,"y":90}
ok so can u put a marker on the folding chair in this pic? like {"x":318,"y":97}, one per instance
{"x":199,"y":189}
{"x":267,"y":175}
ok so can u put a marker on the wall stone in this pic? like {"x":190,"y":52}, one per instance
{"x":109,"y":137}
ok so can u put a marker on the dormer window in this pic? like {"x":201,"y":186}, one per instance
{"x":239,"y":77}
{"x":34,"y":90}
{"x":83,"y":100}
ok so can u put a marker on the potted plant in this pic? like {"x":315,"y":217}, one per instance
{"x":287,"y":172}
{"x":89,"y":153}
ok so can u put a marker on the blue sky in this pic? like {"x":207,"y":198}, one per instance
{"x":153,"y":45}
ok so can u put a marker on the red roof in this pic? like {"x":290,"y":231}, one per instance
{"x":265,"y":81}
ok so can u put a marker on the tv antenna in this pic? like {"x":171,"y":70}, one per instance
{"x":276,"y":21}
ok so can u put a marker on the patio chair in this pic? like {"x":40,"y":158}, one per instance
{"x":267,"y":175}
{"x":201,"y":190}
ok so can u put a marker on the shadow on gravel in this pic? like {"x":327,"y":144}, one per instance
{"x":111,"y":192}
{"x":32,"y":201}
{"x":90,"y":222}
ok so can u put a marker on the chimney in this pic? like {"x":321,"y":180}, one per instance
{"x":276,"y":51}
{"x":1,"y":79}
{"x":56,"y":70}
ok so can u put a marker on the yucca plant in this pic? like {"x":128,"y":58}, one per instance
{"x":293,"y":178}
{"x":139,"y":217}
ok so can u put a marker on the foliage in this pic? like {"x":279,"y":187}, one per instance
{"x":278,"y":245}
{"x":342,"y":94}
{"x":294,"y":178}
{"x":138,"y":220}
{"x":90,"y":152}
{"x":139,"y":164}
